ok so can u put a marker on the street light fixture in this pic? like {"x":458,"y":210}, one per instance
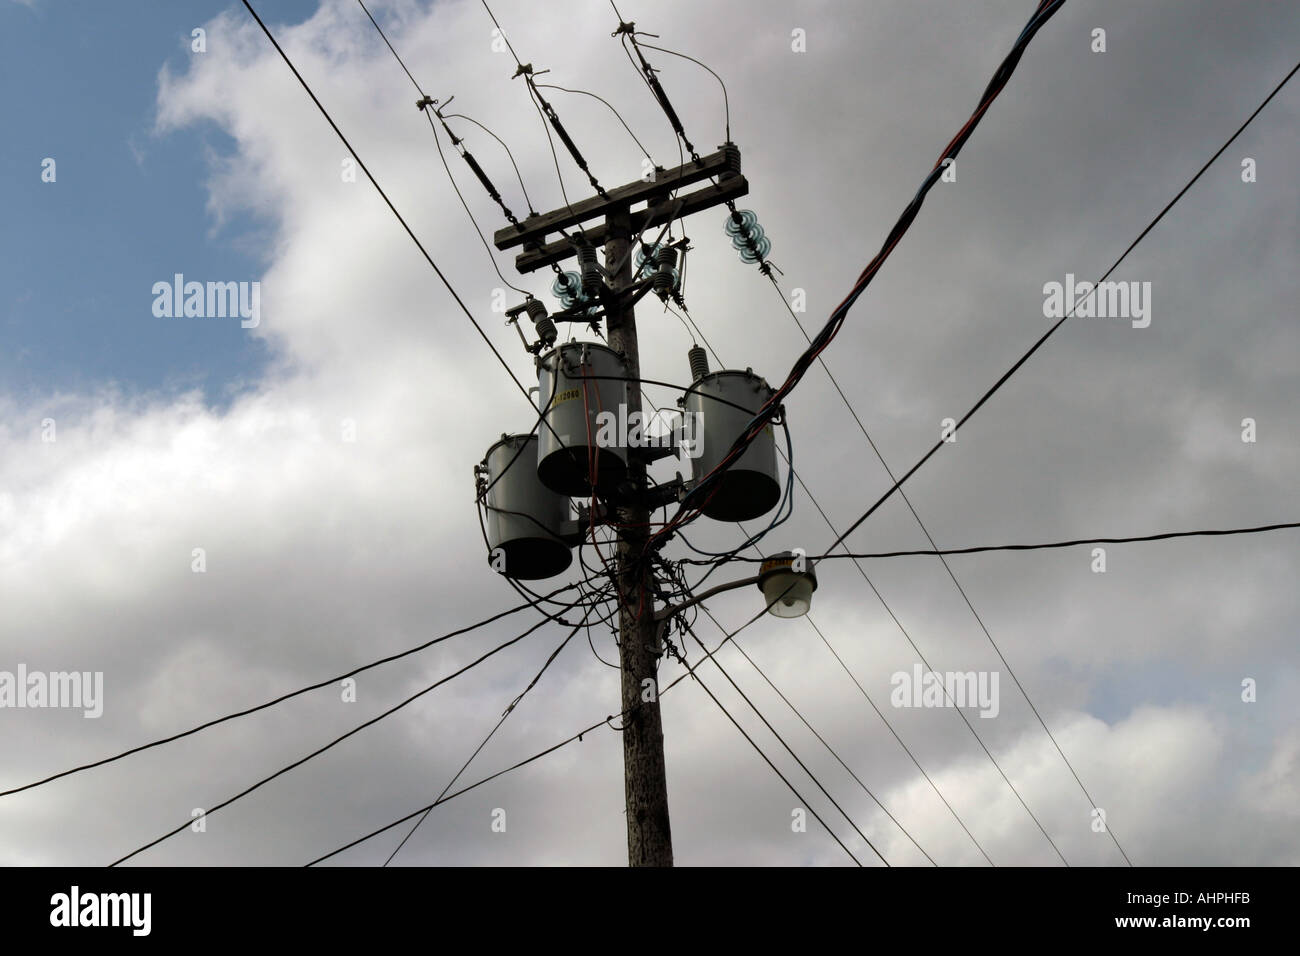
{"x":787,"y":591}
{"x":787,"y":582}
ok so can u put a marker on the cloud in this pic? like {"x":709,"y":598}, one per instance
{"x":322,"y":553}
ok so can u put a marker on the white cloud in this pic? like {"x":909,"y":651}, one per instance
{"x":322,"y":554}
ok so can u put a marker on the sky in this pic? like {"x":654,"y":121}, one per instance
{"x":213,"y":511}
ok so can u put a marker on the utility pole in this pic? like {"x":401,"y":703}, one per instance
{"x":649,"y":836}
{"x":645,"y":782}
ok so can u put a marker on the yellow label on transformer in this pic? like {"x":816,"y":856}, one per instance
{"x":566,"y":395}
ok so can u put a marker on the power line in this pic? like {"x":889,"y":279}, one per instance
{"x":969,"y":726}
{"x":766,"y":723}
{"x":337,"y":740}
{"x":711,"y":655}
{"x":1041,"y":17}
{"x":424,"y":103}
{"x":518,"y":175}
{"x":908,"y":637}
{"x":1041,"y":546}
{"x":278,"y":700}
{"x":501,"y":33}
{"x":907,"y":750}
{"x":392,"y":49}
{"x":784,"y":779}
{"x":732,"y":556}
{"x":867,"y":790}
{"x":937,"y":552}
{"x":912,"y":643}
{"x":492,"y":733}
{"x":897,"y":484}
{"x":473,"y":222}
{"x":617,"y":114}
{"x":718,"y":663}
{"x":888,"y":610}
{"x":726,"y":102}
{"x":961,"y":590}
{"x":500,"y":773}
{"x":1048,"y":334}
{"x":547,"y":112}
{"x":374,"y":182}
{"x":687,"y":509}
{"x":527,"y":760}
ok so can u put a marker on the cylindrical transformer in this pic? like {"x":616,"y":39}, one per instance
{"x":524,"y":517}
{"x":585,"y":431}
{"x":750,"y":487}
